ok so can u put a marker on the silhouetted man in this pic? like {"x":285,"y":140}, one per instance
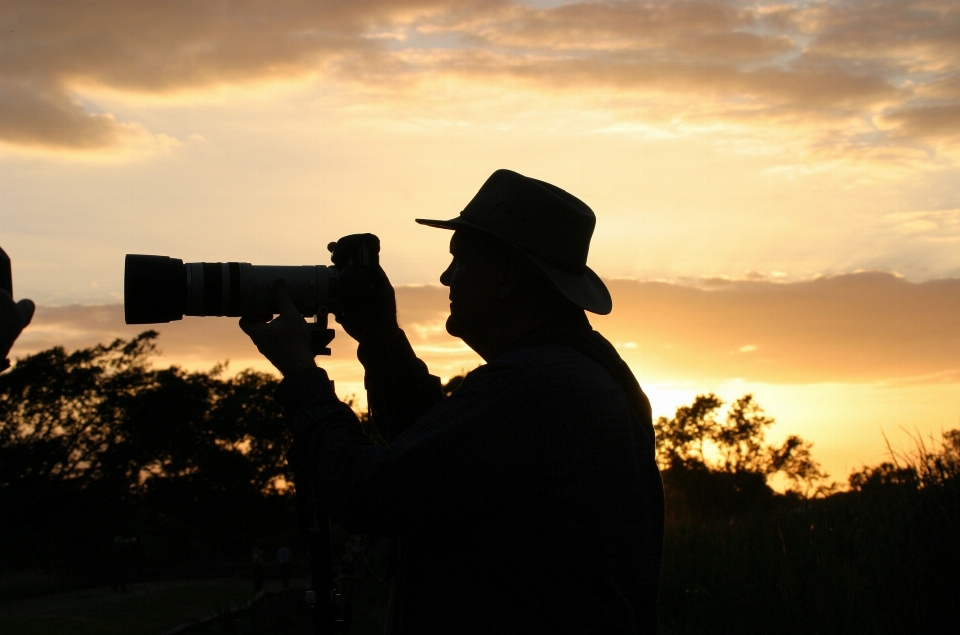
{"x":528,"y":501}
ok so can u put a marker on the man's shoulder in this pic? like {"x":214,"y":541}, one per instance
{"x":555,"y":364}
{"x":547,"y":355}
{"x":541,"y":378}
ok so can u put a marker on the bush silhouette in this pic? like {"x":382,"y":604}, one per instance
{"x":192,"y":462}
{"x":714,"y":465}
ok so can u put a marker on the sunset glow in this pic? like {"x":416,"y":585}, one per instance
{"x":776,"y":183}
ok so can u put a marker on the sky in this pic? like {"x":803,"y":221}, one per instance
{"x":775,"y":183}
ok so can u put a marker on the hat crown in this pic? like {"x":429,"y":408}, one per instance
{"x":538,"y":217}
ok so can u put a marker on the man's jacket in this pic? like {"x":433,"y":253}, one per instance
{"x":527,"y":501}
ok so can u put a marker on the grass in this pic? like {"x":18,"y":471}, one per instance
{"x":368,"y":598}
{"x":18,"y":585}
{"x":152,"y":608}
{"x":286,"y":614}
{"x":148,"y":608}
{"x":881,"y":558}
{"x":882,"y":561}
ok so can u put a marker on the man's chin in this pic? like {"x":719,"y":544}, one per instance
{"x":458,"y":327}
{"x":452,"y":326}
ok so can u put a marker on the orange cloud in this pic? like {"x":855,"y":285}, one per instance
{"x":926,"y":122}
{"x":37,"y":114}
{"x":863,"y":327}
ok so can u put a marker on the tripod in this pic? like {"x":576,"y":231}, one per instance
{"x":329,"y":615}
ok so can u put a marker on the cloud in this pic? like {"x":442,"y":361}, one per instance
{"x":51,"y":49}
{"x":862,"y":327}
{"x":926,"y":122}
{"x":914,"y":36}
{"x":849,"y":76}
{"x":32,"y":114}
{"x":934,"y":226}
{"x":681,"y":30}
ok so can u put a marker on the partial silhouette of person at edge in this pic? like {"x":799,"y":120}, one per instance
{"x":14,"y":316}
{"x":526,"y":501}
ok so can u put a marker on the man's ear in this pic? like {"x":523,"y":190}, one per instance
{"x":511,"y":278}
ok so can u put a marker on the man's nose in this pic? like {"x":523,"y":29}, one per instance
{"x":445,"y":276}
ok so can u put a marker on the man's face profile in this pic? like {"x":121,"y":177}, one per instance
{"x":474,"y":277}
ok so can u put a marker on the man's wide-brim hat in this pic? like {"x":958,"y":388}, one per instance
{"x":549,"y":226}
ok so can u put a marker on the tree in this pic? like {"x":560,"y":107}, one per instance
{"x":680,"y":439}
{"x":694,"y":433}
{"x":100,"y":437}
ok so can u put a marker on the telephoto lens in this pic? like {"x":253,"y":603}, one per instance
{"x":158,"y":289}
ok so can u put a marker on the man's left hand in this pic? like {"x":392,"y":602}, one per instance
{"x":367,"y":305}
{"x":285,"y":340}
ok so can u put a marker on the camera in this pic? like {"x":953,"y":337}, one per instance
{"x":159,"y":289}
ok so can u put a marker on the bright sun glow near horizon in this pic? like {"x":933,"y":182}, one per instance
{"x":776,"y":183}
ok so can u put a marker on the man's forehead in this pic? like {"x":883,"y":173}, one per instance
{"x":461,"y":240}
{"x":464,"y":243}
{"x":476,"y":246}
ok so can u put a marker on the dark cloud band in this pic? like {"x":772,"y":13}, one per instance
{"x":864,"y":327}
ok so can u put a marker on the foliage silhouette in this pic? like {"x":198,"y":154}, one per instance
{"x":685,"y":440}
{"x":97,"y":443}
{"x":738,"y":558}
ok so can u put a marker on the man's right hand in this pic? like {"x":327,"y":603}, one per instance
{"x":285,"y":340}
{"x":366,"y":306}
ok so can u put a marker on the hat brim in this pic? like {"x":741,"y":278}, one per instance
{"x":585,"y":289}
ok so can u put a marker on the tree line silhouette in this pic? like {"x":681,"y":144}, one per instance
{"x":97,"y":445}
